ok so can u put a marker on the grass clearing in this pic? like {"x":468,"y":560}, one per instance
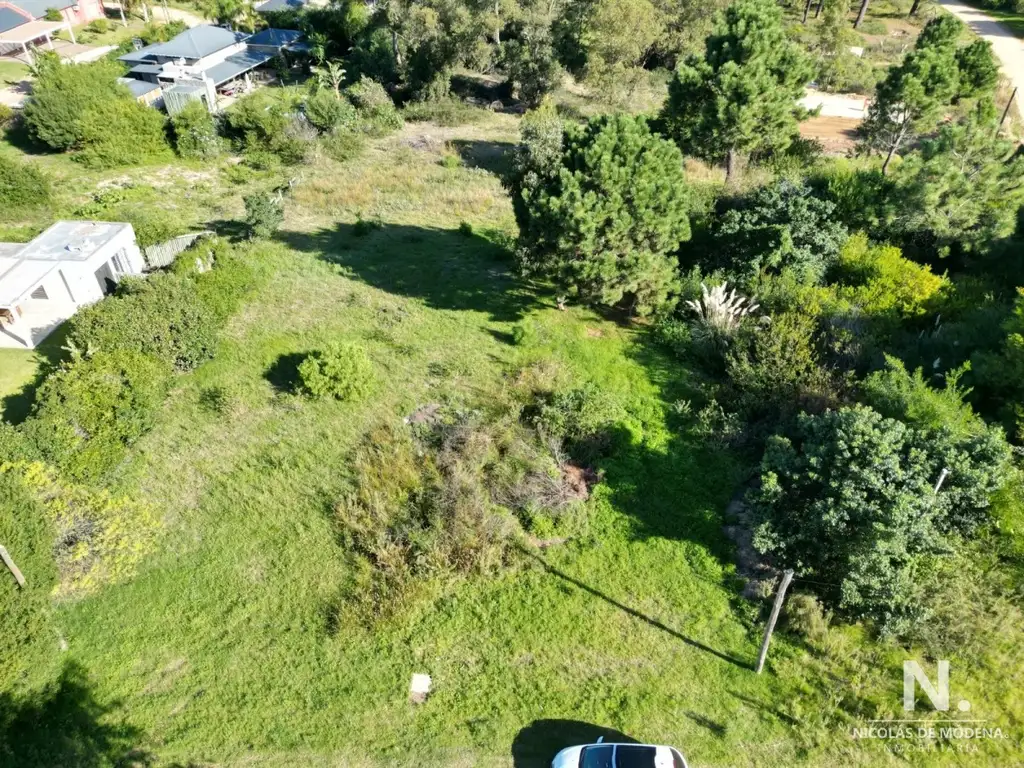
{"x":232,"y":645}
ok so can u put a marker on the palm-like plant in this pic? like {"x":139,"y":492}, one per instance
{"x":330,"y":75}
{"x":721,"y":309}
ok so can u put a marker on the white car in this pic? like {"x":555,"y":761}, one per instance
{"x":601,"y":755}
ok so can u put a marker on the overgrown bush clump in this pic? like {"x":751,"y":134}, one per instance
{"x":161,"y":316}
{"x":22,"y":185}
{"x":88,"y":413}
{"x":327,"y":112}
{"x":195,"y":132}
{"x":29,"y":653}
{"x":342,"y":370}
{"x":849,"y":500}
{"x":375,"y":107}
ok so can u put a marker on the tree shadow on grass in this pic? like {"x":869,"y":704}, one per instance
{"x":536,"y":745}
{"x":16,"y":407}
{"x":635,"y":613}
{"x":283,"y":373}
{"x":66,"y":726}
{"x":492,"y":156}
{"x":447,"y":269}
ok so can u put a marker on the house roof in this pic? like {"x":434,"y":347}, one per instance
{"x":271,"y":6}
{"x":276,"y":38}
{"x":233,"y":66}
{"x":138,"y":87}
{"x":10,"y":18}
{"x":23,"y":266}
{"x":38,"y":8}
{"x":194,"y":43}
{"x":29,"y":31}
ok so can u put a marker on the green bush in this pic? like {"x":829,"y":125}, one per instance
{"x":881,"y":282}
{"x":376,"y":109}
{"x":342,"y":370}
{"x":874,"y":27}
{"x":121,"y":131}
{"x":781,"y":227}
{"x":529,"y":62}
{"x":326,"y":112}
{"x":53,"y":14}
{"x":583,"y":417}
{"x":98,"y":26}
{"x":22,"y":185}
{"x":236,"y":275}
{"x":263,"y":121}
{"x":343,"y":145}
{"x":161,"y":316}
{"x":848,"y":501}
{"x":63,"y":95}
{"x":448,"y":111}
{"x":195,"y":132}
{"x":29,"y":653}
{"x":7,"y":115}
{"x":87,"y":414}
{"x":264,"y":212}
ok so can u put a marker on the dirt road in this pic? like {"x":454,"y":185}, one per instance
{"x":1008,"y":48}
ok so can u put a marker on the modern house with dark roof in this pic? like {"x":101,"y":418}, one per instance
{"x":277,"y":6}
{"x":201,"y":61}
{"x":23,"y":22}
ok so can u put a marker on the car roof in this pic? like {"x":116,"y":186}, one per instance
{"x":664,"y":756}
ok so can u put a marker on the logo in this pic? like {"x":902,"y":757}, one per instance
{"x":937,"y":693}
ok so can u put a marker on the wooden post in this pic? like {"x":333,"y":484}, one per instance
{"x":780,"y":596}
{"x":1006,"y":112}
{"x":942,"y":478}
{"x":10,"y":564}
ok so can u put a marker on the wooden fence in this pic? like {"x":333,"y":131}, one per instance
{"x":163,"y":254}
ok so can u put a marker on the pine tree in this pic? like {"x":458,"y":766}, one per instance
{"x":604,"y":223}
{"x":741,"y":96}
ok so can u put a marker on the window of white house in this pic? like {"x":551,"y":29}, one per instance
{"x":39,"y":293}
{"x":116,"y":261}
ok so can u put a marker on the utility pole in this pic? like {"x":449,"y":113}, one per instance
{"x":780,"y":596}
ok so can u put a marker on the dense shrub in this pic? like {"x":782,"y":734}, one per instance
{"x":22,"y":185}
{"x":29,"y":653}
{"x":849,"y":500}
{"x":529,"y":62}
{"x":264,"y":212}
{"x":581,"y":417}
{"x":88,"y":413}
{"x":195,"y":132}
{"x":779,"y":227}
{"x":343,"y":145}
{"x":376,"y":109}
{"x":161,"y":316}
{"x":605,"y":224}
{"x":98,"y":26}
{"x":235,"y":275}
{"x":62,"y":95}
{"x":448,"y":111}
{"x":121,"y":131}
{"x":263,"y":121}
{"x":326,"y":111}
{"x":342,"y":371}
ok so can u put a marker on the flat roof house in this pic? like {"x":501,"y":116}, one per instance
{"x":70,"y":265}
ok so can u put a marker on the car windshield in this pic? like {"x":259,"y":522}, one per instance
{"x":618,"y":756}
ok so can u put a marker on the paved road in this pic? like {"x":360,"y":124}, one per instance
{"x":1008,"y":48}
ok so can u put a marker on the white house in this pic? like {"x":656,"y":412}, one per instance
{"x":44,"y":282}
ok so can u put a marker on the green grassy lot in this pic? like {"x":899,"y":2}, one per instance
{"x":233,"y":645}
{"x":17,"y":368}
{"x":12,"y":71}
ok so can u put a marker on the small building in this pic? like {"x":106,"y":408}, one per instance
{"x":70,"y":265}
{"x":23,"y":22}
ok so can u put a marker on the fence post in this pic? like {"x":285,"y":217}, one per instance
{"x":779,"y":597}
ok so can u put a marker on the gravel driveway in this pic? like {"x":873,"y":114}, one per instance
{"x":1008,"y":48}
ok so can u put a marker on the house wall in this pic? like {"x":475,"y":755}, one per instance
{"x":88,"y":10}
{"x":71,"y":286}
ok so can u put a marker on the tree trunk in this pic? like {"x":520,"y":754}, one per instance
{"x":145,"y":13}
{"x":807,"y":10}
{"x":888,"y":158}
{"x":817,"y":11}
{"x":394,"y":47}
{"x":730,"y":164}
{"x":497,"y":23}
{"x":862,"y":13}
{"x":914,"y":8}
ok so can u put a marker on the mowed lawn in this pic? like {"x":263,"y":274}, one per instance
{"x":233,"y":646}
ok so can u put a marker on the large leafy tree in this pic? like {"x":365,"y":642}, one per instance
{"x":741,"y":96}
{"x":849,"y":500}
{"x":603,"y":223}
